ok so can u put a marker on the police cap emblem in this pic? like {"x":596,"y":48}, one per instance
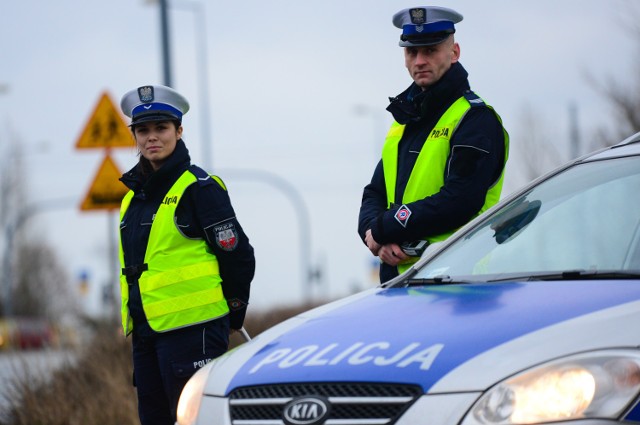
{"x":310,"y":410}
{"x":418,"y":16}
{"x":145,"y":94}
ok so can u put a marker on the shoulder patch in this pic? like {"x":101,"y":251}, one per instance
{"x":402,"y":215}
{"x":226,"y":236}
{"x":236,"y":304}
{"x":220,"y":182}
{"x":473,"y":99}
{"x":205,"y":179}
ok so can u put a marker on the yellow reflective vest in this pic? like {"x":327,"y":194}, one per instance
{"x":427,"y":175}
{"x":182,"y":283}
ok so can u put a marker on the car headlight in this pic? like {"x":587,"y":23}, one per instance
{"x":597,"y":384}
{"x":191,"y":396}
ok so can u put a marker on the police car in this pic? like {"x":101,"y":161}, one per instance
{"x":530,"y":314}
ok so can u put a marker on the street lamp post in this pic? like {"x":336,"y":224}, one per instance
{"x":268,"y":178}
{"x":378,"y":122}
{"x":166,"y":48}
{"x":302,"y":211}
{"x":202,"y":65}
{"x":203,"y":76}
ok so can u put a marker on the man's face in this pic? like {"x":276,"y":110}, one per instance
{"x":427,"y":64}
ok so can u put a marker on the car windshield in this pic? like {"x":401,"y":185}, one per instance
{"x":583,"y":220}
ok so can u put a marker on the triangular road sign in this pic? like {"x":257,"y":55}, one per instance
{"x":106,"y":128}
{"x":106,"y":191}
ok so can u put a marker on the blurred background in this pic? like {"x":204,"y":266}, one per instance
{"x":288,"y":106}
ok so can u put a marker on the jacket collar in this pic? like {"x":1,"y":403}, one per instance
{"x":414,"y":103}
{"x":136,"y":179}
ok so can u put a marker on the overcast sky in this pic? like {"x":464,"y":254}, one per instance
{"x":285,"y":81}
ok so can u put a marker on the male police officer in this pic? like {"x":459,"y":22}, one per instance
{"x":444,"y":156}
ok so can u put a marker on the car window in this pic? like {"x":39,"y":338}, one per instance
{"x":585,"y":218}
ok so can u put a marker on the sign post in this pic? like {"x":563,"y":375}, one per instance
{"x":106,"y":191}
{"x":106,"y":129}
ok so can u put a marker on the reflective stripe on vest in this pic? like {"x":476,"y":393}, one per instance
{"x":182,"y":284}
{"x":427,"y":175}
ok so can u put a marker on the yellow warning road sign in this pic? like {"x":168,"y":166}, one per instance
{"x":106,"y":191}
{"x":106,"y":128}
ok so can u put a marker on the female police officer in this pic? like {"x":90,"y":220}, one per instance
{"x":186,"y":263}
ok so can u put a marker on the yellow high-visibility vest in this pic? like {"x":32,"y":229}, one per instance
{"x":182,"y":283}
{"x":427,"y":175}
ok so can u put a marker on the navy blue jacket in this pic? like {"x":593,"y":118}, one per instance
{"x":476,"y":161}
{"x":203,"y":209}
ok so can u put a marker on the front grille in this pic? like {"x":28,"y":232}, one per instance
{"x":351,"y":403}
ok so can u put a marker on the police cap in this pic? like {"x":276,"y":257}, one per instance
{"x":154,"y":103}
{"x":425,"y":25}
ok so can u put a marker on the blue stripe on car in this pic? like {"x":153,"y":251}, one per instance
{"x":418,"y":335}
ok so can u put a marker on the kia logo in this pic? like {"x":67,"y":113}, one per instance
{"x":306,"y":411}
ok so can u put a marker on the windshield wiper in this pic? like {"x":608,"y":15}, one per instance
{"x":435,"y":280}
{"x":571,"y":275}
{"x":526,"y":277}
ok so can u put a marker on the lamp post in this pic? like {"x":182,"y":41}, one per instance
{"x":574,"y":132}
{"x":203,"y":76}
{"x":302,"y":211}
{"x":377,"y":118}
{"x":199,"y":16}
{"x":271,"y":179}
{"x":166,"y":48}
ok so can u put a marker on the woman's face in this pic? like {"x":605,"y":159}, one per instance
{"x":157,"y":140}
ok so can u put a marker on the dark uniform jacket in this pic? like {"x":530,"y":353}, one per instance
{"x":202,"y":206}
{"x":476,"y":160}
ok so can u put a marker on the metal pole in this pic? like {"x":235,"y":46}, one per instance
{"x":301,"y":209}
{"x":7,"y":269}
{"x":114,"y":261}
{"x":166,"y":53}
{"x":378,"y":125}
{"x":200,"y":29}
{"x":205,"y":116}
{"x":245,"y":334}
{"x":574,"y":132}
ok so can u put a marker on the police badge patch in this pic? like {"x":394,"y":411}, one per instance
{"x":145,"y":94}
{"x":226,"y":236}
{"x":236,"y":304}
{"x":402,"y":215}
{"x":418,"y":16}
